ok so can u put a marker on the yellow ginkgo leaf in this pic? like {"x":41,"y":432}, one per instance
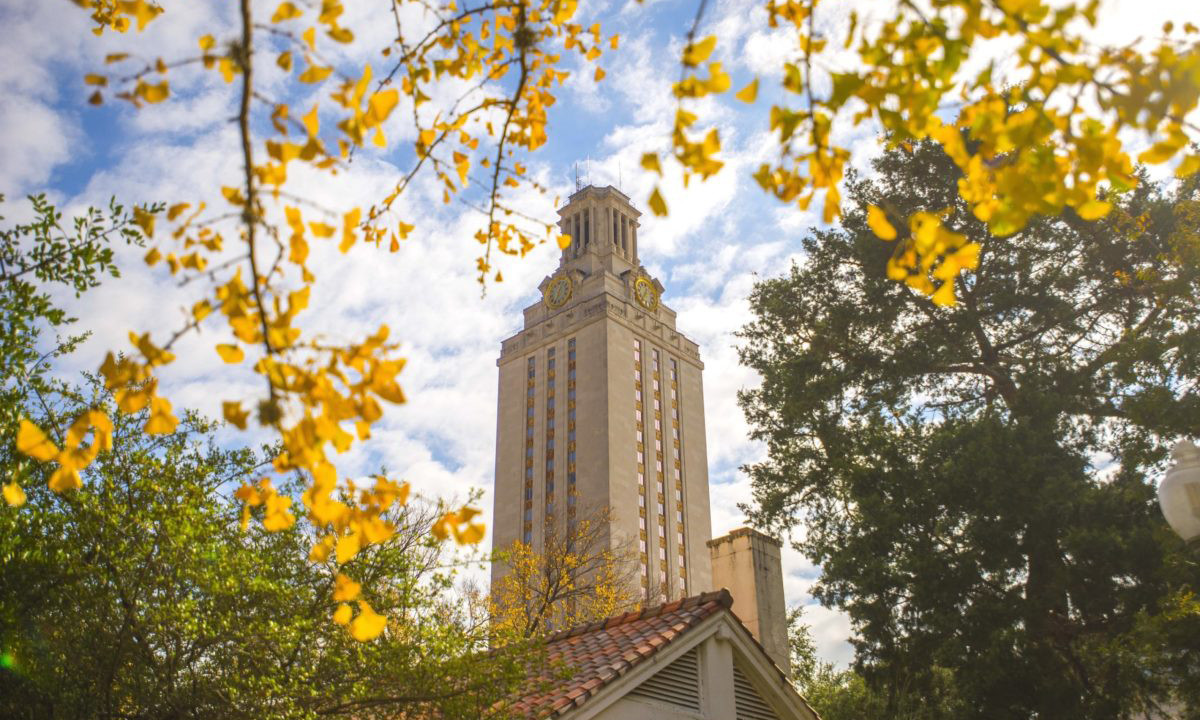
{"x":234,"y":414}
{"x":342,"y":615}
{"x":347,"y":547}
{"x":33,"y":442}
{"x":161,"y":420}
{"x":91,"y":420}
{"x":564,"y":241}
{"x":285,"y":11}
{"x":227,"y":69}
{"x":345,"y":589}
{"x":143,"y":11}
{"x":1188,"y":166}
{"x":207,"y":42}
{"x":154,"y":355}
{"x":97,"y":80}
{"x":472,"y":534}
{"x":248,"y":494}
{"x":14,"y":495}
{"x":311,"y":121}
{"x":152,"y":92}
{"x":131,"y":400}
{"x":368,"y":625}
{"x":1159,"y":152}
{"x":749,"y":93}
{"x":320,"y":552}
{"x":144,"y":219}
{"x":201,"y":310}
{"x":380,"y":106}
{"x":657,"y":204}
{"x":878,"y":222}
{"x":277,"y":516}
{"x":322,"y":230}
{"x":599,"y":75}
{"x":314,"y":74}
{"x":698,"y":52}
{"x":233,"y":195}
{"x":230,"y":353}
{"x":1093,"y":209}
{"x":719,"y":80}
{"x":944,"y":296}
{"x":64,"y":479}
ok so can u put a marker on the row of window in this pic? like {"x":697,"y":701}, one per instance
{"x":549,"y":459}
{"x":570,"y":438}
{"x":662,"y":457}
{"x":660,"y":516}
{"x":641,"y":474}
{"x":679,"y":514}
{"x":527,"y":520}
{"x":549,"y":482}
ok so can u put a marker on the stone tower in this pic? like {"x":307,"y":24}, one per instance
{"x":601,"y":406}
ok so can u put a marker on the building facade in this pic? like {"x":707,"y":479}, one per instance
{"x":601,"y":408}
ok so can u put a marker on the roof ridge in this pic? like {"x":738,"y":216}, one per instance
{"x":721,"y":597}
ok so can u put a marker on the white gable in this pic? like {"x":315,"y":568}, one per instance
{"x":714,"y":671}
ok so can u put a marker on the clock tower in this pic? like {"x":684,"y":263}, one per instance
{"x":601,"y":407}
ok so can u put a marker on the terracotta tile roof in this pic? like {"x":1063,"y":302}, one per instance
{"x":601,"y":652}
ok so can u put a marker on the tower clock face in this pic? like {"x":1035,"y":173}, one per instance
{"x":558,"y":292}
{"x":645,"y":293}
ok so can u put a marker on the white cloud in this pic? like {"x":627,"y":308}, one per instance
{"x":33,"y":141}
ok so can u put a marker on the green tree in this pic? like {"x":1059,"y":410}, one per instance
{"x":142,"y":596}
{"x":843,"y":694}
{"x":977,"y":481}
{"x":36,"y":258}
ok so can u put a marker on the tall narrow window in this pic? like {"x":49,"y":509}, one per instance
{"x":640,"y":450}
{"x":527,"y":525}
{"x":571,"y":492}
{"x":677,"y":447}
{"x":656,"y":385}
{"x":549,"y":487}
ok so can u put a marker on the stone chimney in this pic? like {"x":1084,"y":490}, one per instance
{"x":748,"y":563}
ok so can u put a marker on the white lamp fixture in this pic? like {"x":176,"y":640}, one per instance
{"x":1179,"y":492}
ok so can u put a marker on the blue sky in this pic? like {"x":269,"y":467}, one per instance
{"x":720,"y":235}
